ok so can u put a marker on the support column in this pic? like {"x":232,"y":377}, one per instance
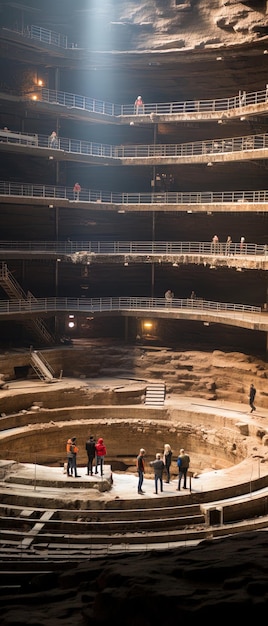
{"x":126,"y":329}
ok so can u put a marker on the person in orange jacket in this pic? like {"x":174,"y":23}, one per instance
{"x":72,"y":451}
{"x":100,"y":454}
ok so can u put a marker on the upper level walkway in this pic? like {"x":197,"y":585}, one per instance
{"x":248,"y":256}
{"x":188,"y":201}
{"x":243,"y":148}
{"x":227,"y":313}
{"x":221,"y":110}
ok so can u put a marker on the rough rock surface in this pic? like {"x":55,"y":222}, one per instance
{"x":214,"y":579}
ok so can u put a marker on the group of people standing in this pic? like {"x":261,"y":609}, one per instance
{"x":227,"y":247}
{"x":96,"y":452}
{"x":162,"y":463}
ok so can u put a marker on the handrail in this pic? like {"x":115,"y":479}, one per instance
{"x":32,"y":190}
{"x":208,"y":148}
{"x":111,"y":304}
{"x":221,"y":106}
{"x":127,"y":248}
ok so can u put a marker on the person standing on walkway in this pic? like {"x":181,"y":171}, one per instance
{"x":228,"y":245}
{"x":158,"y":466}
{"x":91,"y":453}
{"x":100,"y":455}
{"x":167,"y":458}
{"x":183,"y":465}
{"x":53,"y":140}
{"x":76,"y":191}
{"x":242,"y":244}
{"x":252,"y":394}
{"x":140,"y":469}
{"x":215,"y":244}
{"x":139,"y":106}
{"x":169,"y":295}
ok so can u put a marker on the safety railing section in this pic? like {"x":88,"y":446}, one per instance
{"x":163,"y":248}
{"x":43,"y":36}
{"x":76,"y":101}
{"x":230,"y":145}
{"x":221,"y":106}
{"x":100,"y":305}
{"x":31,"y":190}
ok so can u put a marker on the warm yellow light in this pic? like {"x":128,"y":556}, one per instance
{"x":34,"y":97}
{"x":147,"y":325}
{"x":40,"y":82}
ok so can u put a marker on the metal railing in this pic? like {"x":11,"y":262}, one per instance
{"x":100,"y":305}
{"x":220,"y":106}
{"x":89,"y":148}
{"x":125,"y":248}
{"x":31,"y":190}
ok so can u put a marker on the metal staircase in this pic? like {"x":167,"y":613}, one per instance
{"x":155,"y":394}
{"x":15,"y":292}
{"x":41,"y":367}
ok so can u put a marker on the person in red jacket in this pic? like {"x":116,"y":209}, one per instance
{"x":100,"y":455}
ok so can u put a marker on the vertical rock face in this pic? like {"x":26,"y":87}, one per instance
{"x":162,"y":24}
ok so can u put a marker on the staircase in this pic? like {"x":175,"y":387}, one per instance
{"x":155,"y":394}
{"x":41,"y":367}
{"x":15,"y":292}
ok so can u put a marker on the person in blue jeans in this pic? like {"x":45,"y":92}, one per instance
{"x":140,"y":470}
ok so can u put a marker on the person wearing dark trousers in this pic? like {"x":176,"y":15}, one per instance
{"x":72,"y":451}
{"x":140,"y":470}
{"x":252,"y":394}
{"x":158,"y":466}
{"x":100,"y":455}
{"x":183,"y":465}
{"x":167,"y":458}
{"x":69,"y":457}
{"x":91,"y":453}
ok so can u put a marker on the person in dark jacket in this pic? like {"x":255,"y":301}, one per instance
{"x":183,"y":465}
{"x":159,"y":466}
{"x":140,"y":470}
{"x":167,"y":458}
{"x":91,"y":453}
{"x":252,"y":394}
{"x":100,"y":455}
